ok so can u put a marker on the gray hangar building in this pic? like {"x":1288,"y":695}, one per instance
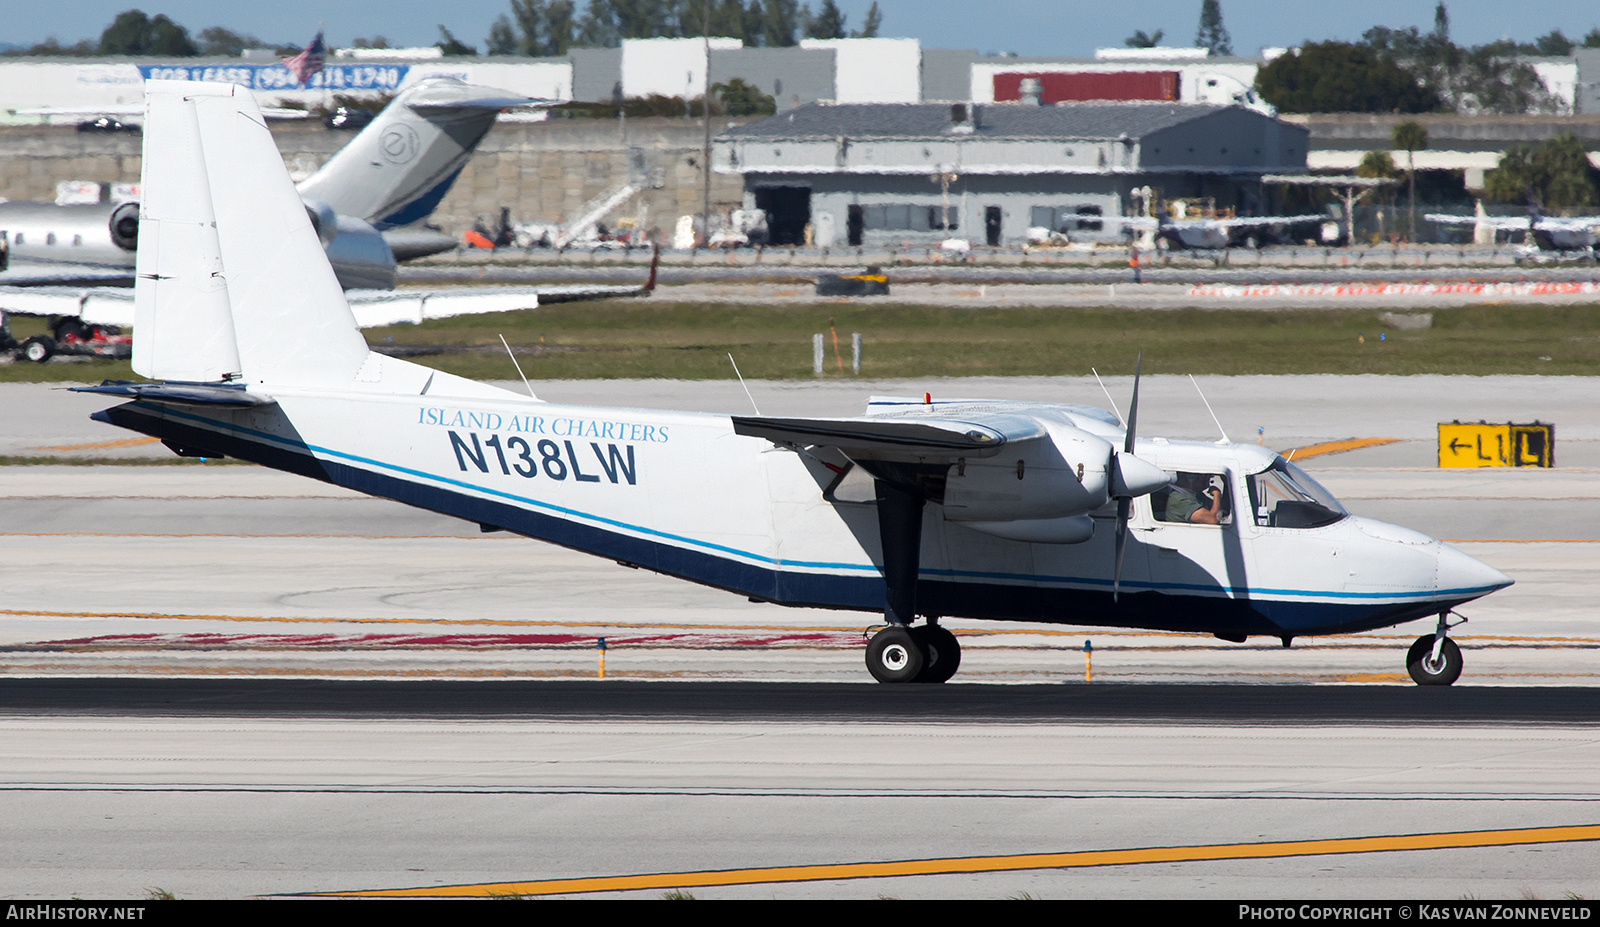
{"x":883,"y":174}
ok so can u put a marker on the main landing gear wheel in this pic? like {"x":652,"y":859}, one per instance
{"x":893,"y":655}
{"x":941,"y":653}
{"x":1426,"y":671}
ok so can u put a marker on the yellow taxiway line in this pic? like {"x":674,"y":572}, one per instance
{"x":918,"y":867}
{"x":97,"y":445}
{"x":1334,"y":447}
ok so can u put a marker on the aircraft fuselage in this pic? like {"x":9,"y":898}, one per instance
{"x":682,"y":494}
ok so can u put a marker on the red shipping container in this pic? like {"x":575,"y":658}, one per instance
{"x":1058,"y":87}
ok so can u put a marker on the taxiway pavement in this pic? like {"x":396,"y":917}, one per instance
{"x":209,"y":586}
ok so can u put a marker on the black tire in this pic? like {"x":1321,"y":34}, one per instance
{"x":1422,"y":670}
{"x":941,"y":653}
{"x":39,"y":348}
{"x":893,"y":655}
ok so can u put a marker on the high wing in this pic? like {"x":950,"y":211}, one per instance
{"x":1145,"y":222}
{"x":1023,"y":471}
{"x":1509,"y":223}
{"x":1248,"y":221}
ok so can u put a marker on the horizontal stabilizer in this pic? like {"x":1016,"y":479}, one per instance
{"x":892,"y":439}
{"x":177,"y":393}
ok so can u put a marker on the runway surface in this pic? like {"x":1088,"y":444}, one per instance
{"x":226,"y":682}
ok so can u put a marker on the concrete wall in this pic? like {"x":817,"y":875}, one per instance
{"x":793,"y":76}
{"x":874,"y":70}
{"x":947,"y":73}
{"x":596,"y":73}
{"x":543,"y":171}
{"x":669,"y":67}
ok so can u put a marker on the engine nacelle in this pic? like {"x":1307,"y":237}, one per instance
{"x":323,"y":220}
{"x":360,"y":257}
{"x":1060,"y":478}
{"x":124,"y":226}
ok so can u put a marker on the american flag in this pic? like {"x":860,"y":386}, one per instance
{"x":308,"y":64}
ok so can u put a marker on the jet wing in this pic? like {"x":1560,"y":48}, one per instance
{"x":113,"y":305}
{"x":95,"y":305}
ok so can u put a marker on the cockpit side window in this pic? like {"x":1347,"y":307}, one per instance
{"x":1284,"y":496}
{"x":1194,"y":499}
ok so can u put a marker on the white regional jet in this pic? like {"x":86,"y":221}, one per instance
{"x":917,"y":510}
{"x":73,"y":263}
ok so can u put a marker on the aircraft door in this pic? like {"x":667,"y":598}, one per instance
{"x":1193,"y":534}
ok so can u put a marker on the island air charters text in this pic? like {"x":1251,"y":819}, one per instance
{"x":1519,"y":911}
{"x":517,"y":454}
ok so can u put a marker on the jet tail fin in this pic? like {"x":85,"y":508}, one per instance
{"x":398,"y":168}
{"x":232,"y":282}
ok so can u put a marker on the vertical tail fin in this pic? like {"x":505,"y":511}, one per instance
{"x":398,"y":168}
{"x":232,"y":279}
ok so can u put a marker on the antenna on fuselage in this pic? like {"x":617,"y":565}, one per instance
{"x":519,"y":368}
{"x":742,"y":383}
{"x":1109,"y":401}
{"x":1214,"y":418}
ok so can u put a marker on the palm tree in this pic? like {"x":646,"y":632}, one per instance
{"x":1411,"y":137}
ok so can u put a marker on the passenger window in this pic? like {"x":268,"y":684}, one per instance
{"x":1194,"y":499}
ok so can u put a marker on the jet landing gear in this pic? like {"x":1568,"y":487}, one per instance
{"x":1435,"y":660}
{"x":927,"y":653}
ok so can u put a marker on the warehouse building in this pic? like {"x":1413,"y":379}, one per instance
{"x":891,"y":174}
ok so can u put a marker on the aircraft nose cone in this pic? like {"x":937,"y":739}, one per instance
{"x":1458,"y":572}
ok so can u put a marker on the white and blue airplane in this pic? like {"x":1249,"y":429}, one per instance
{"x":916,"y":512}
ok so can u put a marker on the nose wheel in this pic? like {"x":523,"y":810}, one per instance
{"x":1435,"y":659}
{"x":927,"y":653}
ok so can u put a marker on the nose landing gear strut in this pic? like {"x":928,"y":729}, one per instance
{"x":1435,"y":660}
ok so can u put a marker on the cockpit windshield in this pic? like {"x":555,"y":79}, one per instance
{"x":1284,"y":496}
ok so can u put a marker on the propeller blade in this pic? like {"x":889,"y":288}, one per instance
{"x":1123,"y":506}
{"x":1125,"y":488}
{"x":1133,"y":408}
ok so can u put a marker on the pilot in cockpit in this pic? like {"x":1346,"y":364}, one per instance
{"x":1191,"y":498}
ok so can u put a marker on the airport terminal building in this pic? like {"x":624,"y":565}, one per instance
{"x":892,"y":174}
